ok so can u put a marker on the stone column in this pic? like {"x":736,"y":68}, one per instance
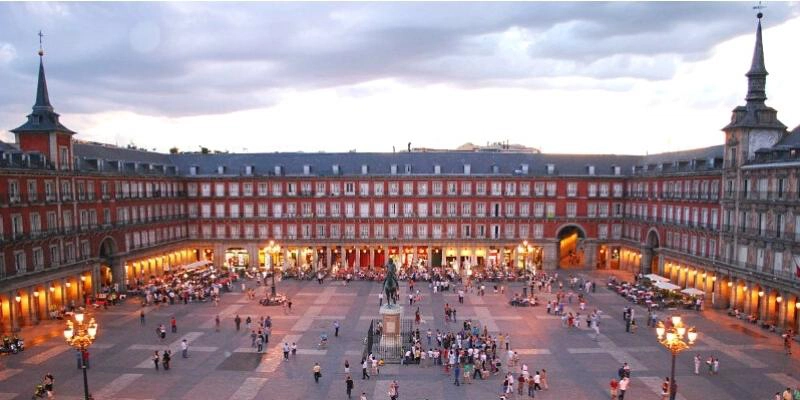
{"x":733,"y":296}
{"x":315,"y":259}
{"x":286,"y":261}
{"x":748,"y":298}
{"x":782,"y":309}
{"x":219,"y":255}
{"x":371,"y":257}
{"x":12,"y":311}
{"x":550,"y":256}
{"x":64,"y":294}
{"x":252,"y":253}
{"x":589,"y":254}
{"x":33,"y":313}
{"x":328,"y":256}
{"x":764,"y":311}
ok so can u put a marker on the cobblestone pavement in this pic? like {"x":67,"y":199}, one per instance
{"x":222,"y":364}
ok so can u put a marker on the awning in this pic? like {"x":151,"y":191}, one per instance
{"x":656,"y":278}
{"x":195,"y":265}
{"x":693,"y":292}
{"x":666,"y":286}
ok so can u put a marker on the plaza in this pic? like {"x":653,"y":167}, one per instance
{"x":223,"y":365}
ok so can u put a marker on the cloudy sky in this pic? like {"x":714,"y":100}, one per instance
{"x":565,"y":77}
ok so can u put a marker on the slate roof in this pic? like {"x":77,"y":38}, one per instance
{"x":43,"y":118}
{"x":101,"y":151}
{"x":792,"y":140}
{"x":704,"y":153}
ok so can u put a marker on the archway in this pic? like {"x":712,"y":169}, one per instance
{"x":570,"y":248}
{"x":650,"y":256}
{"x":108,"y":248}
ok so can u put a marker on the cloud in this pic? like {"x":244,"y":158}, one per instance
{"x":184,"y":59}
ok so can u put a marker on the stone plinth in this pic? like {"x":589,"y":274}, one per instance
{"x":391,"y":316}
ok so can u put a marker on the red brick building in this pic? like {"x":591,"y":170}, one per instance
{"x":76,"y":215}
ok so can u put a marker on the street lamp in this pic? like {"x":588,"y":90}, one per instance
{"x":672,"y":338}
{"x":80,"y":336}
{"x":273,"y":249}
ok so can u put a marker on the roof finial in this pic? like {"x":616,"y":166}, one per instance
{"x":759,"y":7}
{"x":41,"y":49}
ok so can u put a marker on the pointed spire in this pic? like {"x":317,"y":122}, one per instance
{"x":42,"y":98}
{"x":757,"y":76}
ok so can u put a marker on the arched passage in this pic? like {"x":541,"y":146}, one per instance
{"x":108,"y":249}
{"x":650,"y":256}
{"x":570,"y":248}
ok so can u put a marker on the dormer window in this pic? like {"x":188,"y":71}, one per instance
{"x":467,"y":169}
{"x":278,"y":170}
{"x":408,"y":168}
{"x":394,"y":169}
{"x":335,"y":169}
{"x":221,"y":169}
{"x":306,"y":169}
{"x":36,"y":119}
{"x":590,"y":169}
{"x":364,"y":169}
{"x":437,"y":169}
{"x":617,"y":170}
{"x":248,"y":170}
{"x":495,"y":169}
{"x":551,"y":168}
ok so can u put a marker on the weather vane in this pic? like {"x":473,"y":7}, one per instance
{"x":759,"y":7}
{"x":41,"y":50}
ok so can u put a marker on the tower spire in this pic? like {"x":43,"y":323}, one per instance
{"x":42,"y":97}
{"x":757,"y":75}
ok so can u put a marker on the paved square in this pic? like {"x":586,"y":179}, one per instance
{"x":223,"y":365}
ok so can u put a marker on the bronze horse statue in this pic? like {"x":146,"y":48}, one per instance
{"x":390,"y":285}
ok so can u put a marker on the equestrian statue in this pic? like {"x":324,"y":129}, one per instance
{"x":390,"y":285}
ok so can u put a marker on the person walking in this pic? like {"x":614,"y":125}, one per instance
{"x":545,"y":386}
{"x":238,"y":322}
{"x":347,"y":367}
{"x":364,"y":366}
{"x":613,"y":388}
{"x":173,"y":323}
{"x":285,"y":351}
{"x":156,"y":359}
{"x":380,"y":299}
{"x":216,"y":323}
{"x":166,"y":359}
{"x":317,"y":372}
{"x":348,"y":383}
{"x":260,"y":344}
{"x":336,"y":328}
{"x":141,"y":317}
{"x":457,"y":373}
{"x":184,"y":348}
{"x":697,"y":361}
{"x":623,"y":387}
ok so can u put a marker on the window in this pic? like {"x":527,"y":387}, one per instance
{"x":363,"y":209}
{"x":363,"y":188}
{"x":422,"y":209}
{"x":233,"y":189}
{"x":219,"y":189}
{"x":19,"y":261}
{"x":408,"y":188}
{"x":511,"y":188}
{"x":451,"y":188}
{"x":524,"y":209}
{"x":291,"y":189}
{"x":480,"y":189}
{"x":247,"y":188}
{"x":349,"y":188}
{"x":497,"y":189}
{"x":524,"y":189}
{"x":422,"y":188}
{"x":538,"y":231}
{"x":38,"y":258}
{"x":378,"y":210}
{"x":572,"y":189}
{"x":551,"y":189}
{"x":262,"y":189}
{"x":378,"y":187}
{"x":591,"y":210}
{"x":602,"y":231}
{"x":394,"y":188}
{"x":572,"y":210}
{"x":538,"y":210}
{"x":32,"y":193}
{"x":466,"y":209}
{"x":551,"y":210}
{"x":466,"y":188}
{"x":378,"y":231}
{"x":437,"y":188}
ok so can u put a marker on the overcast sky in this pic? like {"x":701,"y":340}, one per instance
{"x":565,"y":77}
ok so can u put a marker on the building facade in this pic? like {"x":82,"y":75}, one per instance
{"x":77,"y":216}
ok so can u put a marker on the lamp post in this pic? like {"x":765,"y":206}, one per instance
{"x":272,"y":249}
{"x":672,"y":337}
{"x":80,"y":336}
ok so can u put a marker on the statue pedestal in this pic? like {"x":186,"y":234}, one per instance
{"x":391,"y":316}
